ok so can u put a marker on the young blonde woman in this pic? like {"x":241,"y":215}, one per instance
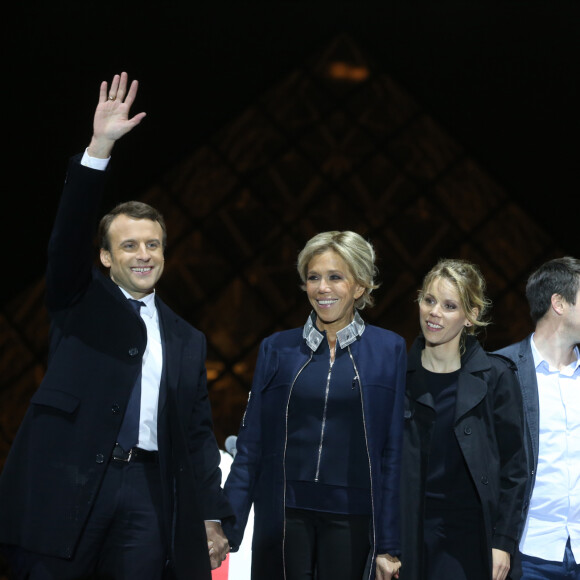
{"x":464,"y":466}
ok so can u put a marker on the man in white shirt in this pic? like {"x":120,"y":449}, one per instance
{"x":549,"y":374}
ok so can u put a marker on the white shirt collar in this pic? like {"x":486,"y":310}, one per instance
{"x":541,"y":364}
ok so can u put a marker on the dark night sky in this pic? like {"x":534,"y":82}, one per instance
{"x":501,"y":77}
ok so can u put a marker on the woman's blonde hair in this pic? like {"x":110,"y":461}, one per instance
{"x":470,"y":285}
{"x":357,"y":253}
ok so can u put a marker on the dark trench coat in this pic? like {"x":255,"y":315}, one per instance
{"x":489,"y":428}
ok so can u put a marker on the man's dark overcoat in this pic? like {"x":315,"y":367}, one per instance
{"x":61,"y":452}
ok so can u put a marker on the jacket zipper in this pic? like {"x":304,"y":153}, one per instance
{"x":284,"y":461}
{"x":326,"y":393}
{"x":246,"y":410}
{"x":357,"y":378}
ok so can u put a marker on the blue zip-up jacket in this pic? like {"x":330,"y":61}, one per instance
{"x":258,"y":473}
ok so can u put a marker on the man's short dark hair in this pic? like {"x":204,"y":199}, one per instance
{"x":560,"y":276}
{"x":133,"y":209}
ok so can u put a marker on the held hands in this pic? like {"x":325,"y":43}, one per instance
{"x":111,"y":119}
{"x":387,"y":567}
{"x":217,"y":544}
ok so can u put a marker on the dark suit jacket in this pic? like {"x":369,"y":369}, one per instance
{"x":58,"y":459}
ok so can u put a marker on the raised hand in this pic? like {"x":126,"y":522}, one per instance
{"x":111,"y":119}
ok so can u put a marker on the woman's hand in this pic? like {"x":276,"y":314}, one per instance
{"x":500,"y":564}
{"x":387,"y":567}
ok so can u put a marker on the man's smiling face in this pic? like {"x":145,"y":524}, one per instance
{"x":136,"y":257}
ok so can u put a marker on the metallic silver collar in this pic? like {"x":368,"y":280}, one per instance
{"x":344,"y":336}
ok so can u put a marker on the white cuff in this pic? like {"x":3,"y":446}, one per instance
{"x":94,"y":162}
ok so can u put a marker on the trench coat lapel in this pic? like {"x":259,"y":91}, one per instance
{"x":471,"y":388}
{"x":417,"y":388}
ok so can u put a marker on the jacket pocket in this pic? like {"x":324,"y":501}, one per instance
{"x":56,"y":399}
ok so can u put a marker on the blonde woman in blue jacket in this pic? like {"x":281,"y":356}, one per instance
{"x":318,"y":452}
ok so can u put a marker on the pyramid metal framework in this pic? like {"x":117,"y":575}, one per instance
{"x":335,"y":145}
